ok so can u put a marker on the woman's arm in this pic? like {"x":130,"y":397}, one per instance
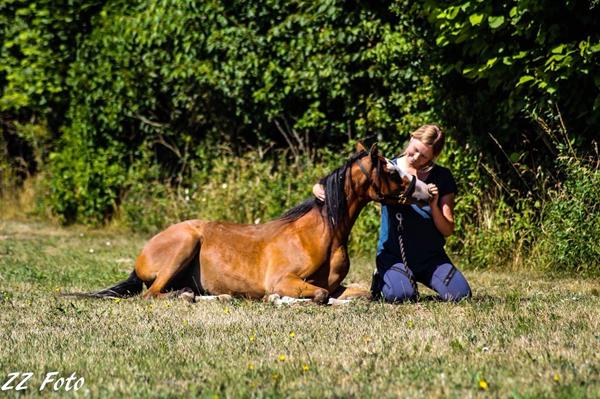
{"x":442,"y":211}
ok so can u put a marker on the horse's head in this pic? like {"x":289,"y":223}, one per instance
{"x":388,"y":183}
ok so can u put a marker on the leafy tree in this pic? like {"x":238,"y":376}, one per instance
{"x":38,"y":41}
{"x":504,"y":62}
{"x":171,"y":75}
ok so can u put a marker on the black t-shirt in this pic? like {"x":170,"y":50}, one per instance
{"x":423,"y":243}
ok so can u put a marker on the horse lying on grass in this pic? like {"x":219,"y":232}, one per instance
{"x":303,"y":254}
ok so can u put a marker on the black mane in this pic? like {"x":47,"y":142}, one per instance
{"x":335,"y":197}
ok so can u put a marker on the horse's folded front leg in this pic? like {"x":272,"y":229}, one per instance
{"x":351,"y":293}
{"x":294,"y":286}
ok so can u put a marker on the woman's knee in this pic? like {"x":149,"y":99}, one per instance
{"x":398,"y":284}
{"x":450,"y":283}
{"x":397,"y":294}
{"x":457,"y":293}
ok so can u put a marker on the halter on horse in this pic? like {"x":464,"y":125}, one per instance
{"x":302,"y":254}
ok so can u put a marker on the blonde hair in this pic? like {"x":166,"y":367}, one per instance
{"x":431,"y":135}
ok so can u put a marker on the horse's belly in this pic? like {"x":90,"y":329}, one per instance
{"x":234,"y":271}
{"x":250,"y":261}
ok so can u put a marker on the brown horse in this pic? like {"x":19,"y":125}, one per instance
{"x":302,"y":254}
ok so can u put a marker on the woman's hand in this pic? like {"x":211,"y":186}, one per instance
{"x":435,"y":194}
{"x":319,"y":191}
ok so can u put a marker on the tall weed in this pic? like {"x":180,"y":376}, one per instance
{"x":570,"y":225}
{"x":551,"y":227}
{"x":252,"y":188}
{"x":496,"y":234}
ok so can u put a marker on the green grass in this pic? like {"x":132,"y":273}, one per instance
{"x":523,"y":334}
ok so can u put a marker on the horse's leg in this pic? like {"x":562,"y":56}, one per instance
{"x":351,"y":293}
{"x":186,"y":294}
{"x":164,"y":277}
{"x":172,"y":254}
{"x":294,"y":286}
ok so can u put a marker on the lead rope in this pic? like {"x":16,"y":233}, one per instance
{"x":377,"y":281}
{"x":400,"y":229}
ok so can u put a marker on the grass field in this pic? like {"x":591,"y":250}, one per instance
{"x":522,"y":335}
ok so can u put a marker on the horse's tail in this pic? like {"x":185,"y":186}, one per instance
{"x":133,"y":285}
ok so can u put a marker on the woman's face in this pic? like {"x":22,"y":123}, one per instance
{"x":418,"y":154}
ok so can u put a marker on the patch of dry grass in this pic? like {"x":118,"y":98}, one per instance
{"x":521,"y":335}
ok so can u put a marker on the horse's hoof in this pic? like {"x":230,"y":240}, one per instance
{"x":338,"y":302}
{"x":224,"y":298}
{"x":321,"y":297}
{"x":206,"y":298}
{"x":288,"y":300}
{"x":187,"y":296}
{"x":273,"y":298}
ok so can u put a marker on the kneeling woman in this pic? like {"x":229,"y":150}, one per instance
{"x":419,"y":232}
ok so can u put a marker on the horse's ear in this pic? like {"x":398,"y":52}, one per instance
{"x":360,"y":147}
{"x":374,"y":152}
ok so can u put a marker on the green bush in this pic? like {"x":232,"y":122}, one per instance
{"x":570,"y":225}
{"x":496,"y":235}
{"x":551,"y":227}
{"x":86,"y":181}
{"x":171,"y":75}
{"x":502,"y":61}
{"x":38,"y":41}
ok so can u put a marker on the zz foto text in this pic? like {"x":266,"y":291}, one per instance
{"x":19,"y":381}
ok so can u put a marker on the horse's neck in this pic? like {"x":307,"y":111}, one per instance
{"x":356,"y":199}
{"x":342,"y":230}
